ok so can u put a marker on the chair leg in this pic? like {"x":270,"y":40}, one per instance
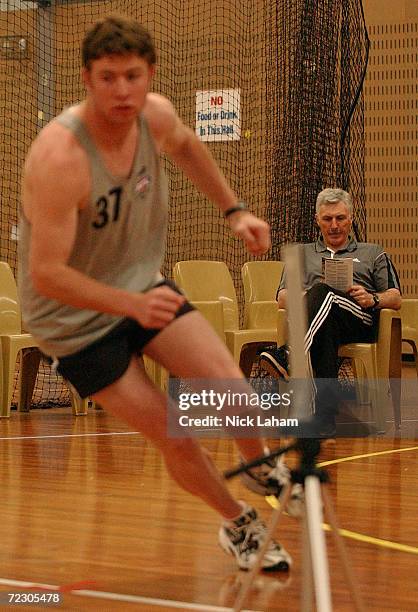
{"x":414,"y":347}
{"x":79,"y":405}
{"x":359,"y":377}
{"x":29,"y":366}
{"x":9,"y":355}
{"x":395,"y":392}
{"x":3,"y":405}
{"x":395,"y":370}
{"x":380,"y":404}
{"x":156,"y":373}
{"x":163,"y":377}
{"x":378,"y":395}
{"x":150,"y":368}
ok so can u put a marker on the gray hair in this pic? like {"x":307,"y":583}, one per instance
{"x":333,"y":195}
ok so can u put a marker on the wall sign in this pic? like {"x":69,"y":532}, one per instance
{"x":218,"y":115}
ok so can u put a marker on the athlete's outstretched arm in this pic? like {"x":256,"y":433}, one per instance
{"x":196,"y":161}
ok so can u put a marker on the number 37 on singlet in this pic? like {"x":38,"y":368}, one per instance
{"x":108,"y":208}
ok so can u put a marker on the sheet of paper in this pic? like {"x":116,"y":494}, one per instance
{"x":338,"y":273}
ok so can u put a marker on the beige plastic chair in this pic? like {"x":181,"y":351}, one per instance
{"x":261,"y":280}
{"x":213,"y":312}
{"x":409,"y":318}
{"x":13,"y":342}
{"x":210,"y":281}
{"x":381,"y":363}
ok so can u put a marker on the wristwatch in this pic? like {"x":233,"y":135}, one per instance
{"x":376,"y":301}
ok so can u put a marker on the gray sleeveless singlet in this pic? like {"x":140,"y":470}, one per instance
{"x":120,"y":241}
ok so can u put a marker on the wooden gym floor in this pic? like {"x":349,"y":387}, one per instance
{"x":87,"y":508}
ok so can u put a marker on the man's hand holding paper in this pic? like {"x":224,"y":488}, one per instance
{"x":362,"y":296}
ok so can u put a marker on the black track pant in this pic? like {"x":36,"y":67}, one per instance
{"x":333,"y":319}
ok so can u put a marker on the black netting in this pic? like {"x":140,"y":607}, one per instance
{"x":320,"y":140}
{"x":297,"y":63}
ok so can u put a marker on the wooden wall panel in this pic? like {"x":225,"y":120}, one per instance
{"x":391,"y":97}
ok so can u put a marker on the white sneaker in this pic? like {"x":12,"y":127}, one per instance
{"x":243,"y":538}
{"x":269,"y":479}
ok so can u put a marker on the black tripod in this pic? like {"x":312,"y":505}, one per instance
{"x":315,"y":560}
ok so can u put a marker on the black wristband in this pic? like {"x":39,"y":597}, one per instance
{"x":238,"y":206}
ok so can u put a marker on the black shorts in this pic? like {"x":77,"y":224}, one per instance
{"x":105,"y":360}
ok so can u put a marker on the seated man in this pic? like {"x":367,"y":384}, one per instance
{"x":334,"y":317}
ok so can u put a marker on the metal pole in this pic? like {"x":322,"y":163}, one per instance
{"x":45,"y":62}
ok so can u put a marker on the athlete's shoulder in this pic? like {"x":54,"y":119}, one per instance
{"x":168,"y":130}
{"x":56,"y":147}
{"x":56,"y":167}
{"x":157,"y":104}
{"x":160,"y":114}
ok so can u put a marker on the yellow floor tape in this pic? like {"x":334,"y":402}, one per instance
{"x":273,"y":501}
{"x":354,"y":457}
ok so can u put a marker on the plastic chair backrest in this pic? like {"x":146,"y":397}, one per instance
{"x":409,"y":316}
{"x":209,"y":280}
{"x":261,"y":280}
{"x":10,"y":314}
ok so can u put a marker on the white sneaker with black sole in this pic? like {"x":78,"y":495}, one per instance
{"x":243,"y":537}
{"x":269,"y":479}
